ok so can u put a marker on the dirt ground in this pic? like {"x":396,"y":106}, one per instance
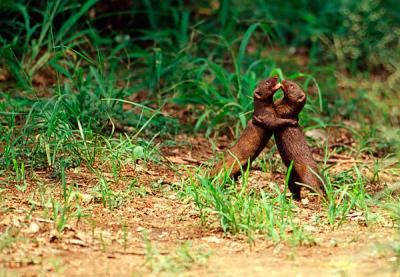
{"x":158,"y":233}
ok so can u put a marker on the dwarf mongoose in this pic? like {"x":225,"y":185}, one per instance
{"x":291,"y":142}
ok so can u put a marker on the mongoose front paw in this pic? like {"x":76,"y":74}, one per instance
{"x":258,"y":121}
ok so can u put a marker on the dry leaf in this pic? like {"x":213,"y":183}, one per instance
{"x":213,"y":239}
{"x":6,"y":220}
{"x":78,"y":242}
{"x":176,"y":160}
{"x":32,"y":229}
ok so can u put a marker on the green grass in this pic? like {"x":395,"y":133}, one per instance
{"x":346,"y":195}
{"x":244,"y":210}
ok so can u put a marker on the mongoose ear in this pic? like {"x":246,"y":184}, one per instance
{"x":302,"y":98}
{"x":257,"y":93}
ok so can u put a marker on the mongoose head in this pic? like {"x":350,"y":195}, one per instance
{"x":293,"y":92}
{"x":266,"y":88}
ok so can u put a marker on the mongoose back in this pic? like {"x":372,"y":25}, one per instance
{"x":255,"y":136}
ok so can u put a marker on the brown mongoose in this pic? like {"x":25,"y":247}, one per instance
{"x":291,"y":142}
{"x":254,"y":138}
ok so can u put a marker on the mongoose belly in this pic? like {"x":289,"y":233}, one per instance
{"x":292,"y":146}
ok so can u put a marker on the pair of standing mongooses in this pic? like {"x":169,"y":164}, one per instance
{"x":280,"y":118}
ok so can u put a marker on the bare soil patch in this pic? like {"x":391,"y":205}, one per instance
{"x":153,"y":231}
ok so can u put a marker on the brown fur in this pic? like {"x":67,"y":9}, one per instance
{"x":291,"y":141}
{"x":246,"y":149}
{"x":255,"y":136}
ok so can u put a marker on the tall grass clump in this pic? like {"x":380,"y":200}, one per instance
{"x":67,"y":120}
{"x":245,"y":210}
